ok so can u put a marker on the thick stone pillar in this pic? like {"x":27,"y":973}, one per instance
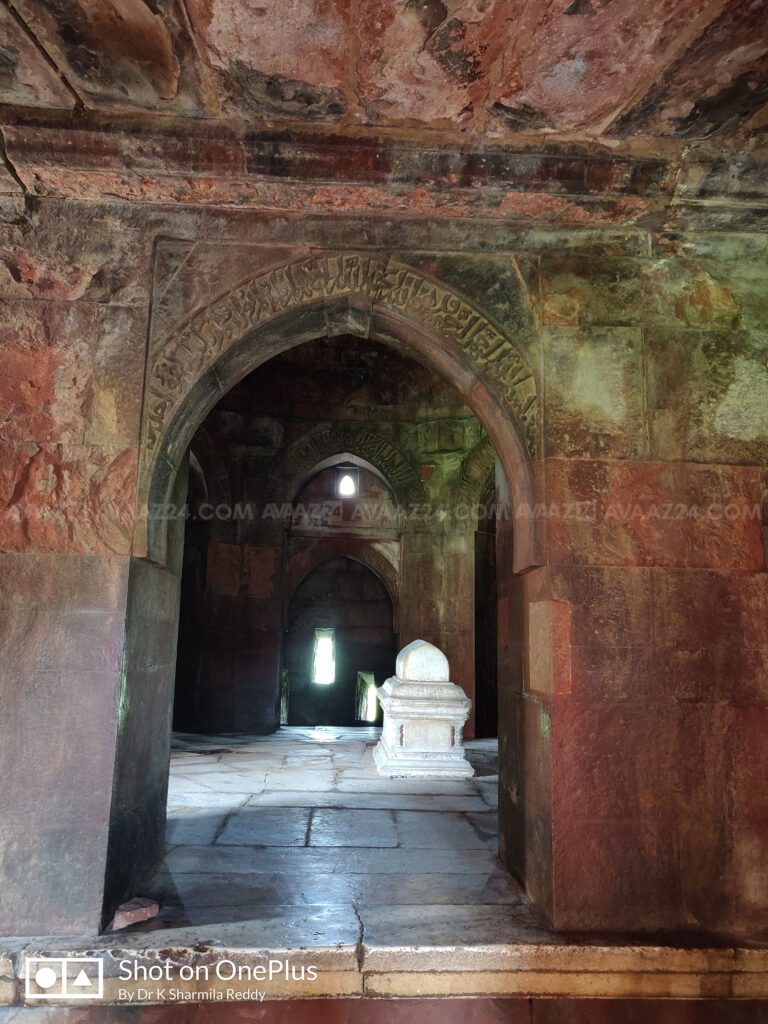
{"x":643,"y":682}
{"x":525,"y":725}
{"x":140,"y":789}
{"x":70,"y":397}
{"x":61,"y":651}
{"x":437,"y":598}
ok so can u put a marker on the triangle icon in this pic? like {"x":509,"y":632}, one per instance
{"x":82,"y":980}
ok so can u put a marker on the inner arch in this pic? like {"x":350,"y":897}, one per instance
{"x":161,"y":454}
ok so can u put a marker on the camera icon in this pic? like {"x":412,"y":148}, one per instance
{"x":63,"y":977}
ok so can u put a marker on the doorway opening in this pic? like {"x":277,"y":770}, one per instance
{"x":339,"y":636}
{"x":333,"y":515}
{"x":336,"y":488}
{"x":324,"y":658}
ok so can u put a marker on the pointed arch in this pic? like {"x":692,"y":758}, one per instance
{"x":305,"y":562}
{"x":318,"y":446}
{"x":329,"y":294}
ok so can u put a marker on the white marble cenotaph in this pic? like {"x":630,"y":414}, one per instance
{"x":424,"y":713}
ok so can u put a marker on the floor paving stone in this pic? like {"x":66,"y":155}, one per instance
{"x":262,"y":826}
{"x":373,"y":801}
{"x":435,"y":831}
{"x":352,"y":827}
{"x":196,"y":831}
{"x":302,"y":819}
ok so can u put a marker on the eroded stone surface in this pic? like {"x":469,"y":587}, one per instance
{"x":586,"y":60}
{"x":121,"y":55}
{"x":140,"y":908}
{"x":493,"y":67}
{"x":26,"y":78}
{"x":67,"y":498}
{"x":292,"y":61}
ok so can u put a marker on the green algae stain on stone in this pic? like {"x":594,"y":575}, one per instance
{"x":495,"y":284}
{"x":708,"y":394}
{"x":595,"y":388}
{"x":743,"y":411}
{"x":705,"y":303}
{"x":545,"y":723}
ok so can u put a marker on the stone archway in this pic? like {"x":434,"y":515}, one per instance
{"x":305,"y":562}
{"x":345,"y":595}
{"x":200,"y":360}
{"x":310,"y":452}
{"x":327,"y":295}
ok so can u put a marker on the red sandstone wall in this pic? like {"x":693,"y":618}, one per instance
{"x":73,"y":317}
{"x":656,"y":599}
{"x":633,"y":711}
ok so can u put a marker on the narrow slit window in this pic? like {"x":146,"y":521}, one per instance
{"x":371,"y":704}
{"x":347,"y":481}
{"x":347,"y":487}
{"x":366,"y":704}
{"x":324,"y":658}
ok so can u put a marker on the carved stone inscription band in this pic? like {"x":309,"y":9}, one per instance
{"x":183,"y":357}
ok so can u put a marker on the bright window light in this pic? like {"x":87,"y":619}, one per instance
{"x":324,"y":660}
{"x":371,"y":704}
{"x":347,"y":486}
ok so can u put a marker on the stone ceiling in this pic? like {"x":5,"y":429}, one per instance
{"x":319,"y":88}
{"x":489,"y":68}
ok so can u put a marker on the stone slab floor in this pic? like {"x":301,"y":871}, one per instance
{"x":292,"y":845}
{"x":298,"y":832}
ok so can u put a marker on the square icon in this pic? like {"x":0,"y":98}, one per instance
{"x":64,"y":977}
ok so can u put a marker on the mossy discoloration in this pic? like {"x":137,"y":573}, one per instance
{"x":707,"y":395}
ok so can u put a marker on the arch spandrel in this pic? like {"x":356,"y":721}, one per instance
{"x":185,"y":356}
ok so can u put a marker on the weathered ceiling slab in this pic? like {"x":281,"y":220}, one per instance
{"x":474,"y":68}
{"x":27,"y":79}
{"x":120,"y":55}
{"x":286,"y":59}
{"x":421,"y":63}
{"x":570,"y":66}
{"x":718,"y":83}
